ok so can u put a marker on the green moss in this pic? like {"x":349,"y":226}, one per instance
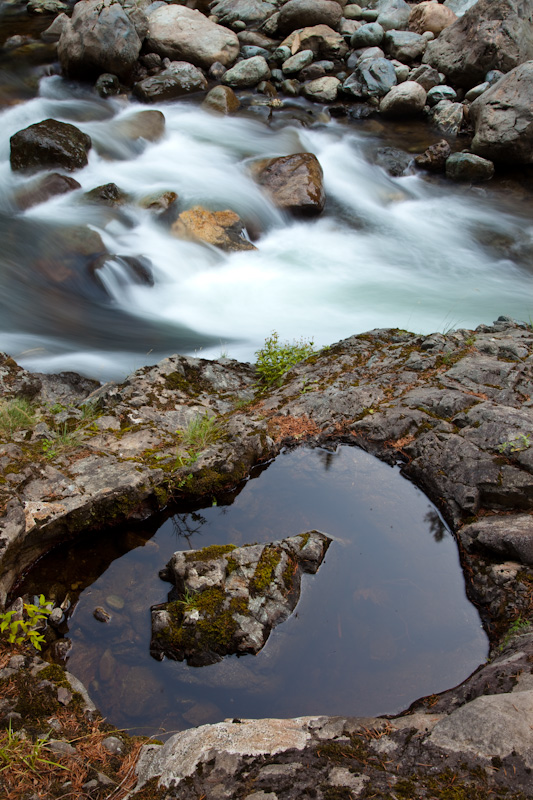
{"x":304,"y":538}
{"x":208,"y":553}
{"x":162,"y":496}
{"x":336,"y":792}
{"x":264,"y":572}
{"x":54,"y":673}
{"x":232,"y":565}
{"x":179,"y":383}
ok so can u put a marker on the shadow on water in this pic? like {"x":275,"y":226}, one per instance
{"x":384,"y":621}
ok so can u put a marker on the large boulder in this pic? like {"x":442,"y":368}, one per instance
{"x":392,"y":14}
{"x":183,"y":34}
{"x":493,"y":34}
{"x":405,"y":46}
{"x":49,"y":145}
{"x":178,"y":79}
{"x":430,"y":16}
{"x":302,"y":13}
{"x":99,"y":37}
{"x":295,"y":183}
{"x":503,"y":118}
{"x":469,"y":167}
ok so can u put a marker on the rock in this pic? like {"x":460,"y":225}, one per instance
{"x":392,"y":14}
{"x":148,"y":125}
{"x":179,"y":79}
{"x":239,"y":594}
{"x":99,"y":37}
{"x":183,"y":34}
{"x":503,"y":118}
{"x":291,"y":87}
{"x":402,"y":71}
{"x":53,"y":33}
{"x":426,"y":76}
{"x":469,"y":167}
{"x":48,"y":145}
{"x":374,"y":78}
{"x":113,"y":745}
{"x":393,"y":160}
{"x":430,"y":16}
{"x":159,"y":202}
{"x":368,"y":35}
{"x":221,"y":99}
{"x":297,"y":62}
{"x":405,"y":100}
{"x":476,"y":91}
{"x":107,"y":85}
{"x":108,"y":194}
{"x":493,"y":34}
{"x":459,"y":7}
{"x":404,"y":45}
{"x":222,"y":229}
{"x":447,"y":117}
{"x":247,"y":73}
{"x":313,"y":71}
{"x":440,"y":92}
{"x":46,"y":7}
{"x":101,"y":614}
{"x":303,"y":13}
{"x":248,"y":51}
{"x":295,"y":183}
{"x":44,"y":188}
{"x":434,"y":158}
{"x":322,"y":90}
{"x":251,"y":12}
{"x":509,"y":537}
{"x":323,"y":41}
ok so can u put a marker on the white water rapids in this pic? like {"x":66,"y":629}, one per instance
{"x":409,"y":252}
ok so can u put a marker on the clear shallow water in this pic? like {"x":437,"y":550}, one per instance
{"x":407,"y":252}
{"x":384,"y":621}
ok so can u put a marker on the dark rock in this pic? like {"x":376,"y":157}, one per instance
{"x":108,"y":194}
{"x":303,"y":13}
{"x":469,"y":167}
{"x":251,"y":12}
{"x":48,"y":145}
{"x":509,"y":537}
{"x":107,"y":85}
{"x":44,"y":188}
{"x":101,"y":614}
{"x":371,"y":78}
{"x":434,"y":158}
{"x":406,"y":46}
{"x":393,"y":160}
{"x":216,"y":71}
{"x":295,"y":183}
{"x":179,"y":79}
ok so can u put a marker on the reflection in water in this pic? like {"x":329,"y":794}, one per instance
{"x":384,"y":621}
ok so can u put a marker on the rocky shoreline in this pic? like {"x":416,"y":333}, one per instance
{"x":454,"y":409}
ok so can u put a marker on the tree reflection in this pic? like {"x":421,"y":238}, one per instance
{"x":436,"y":526}
{"x":187,"y":525}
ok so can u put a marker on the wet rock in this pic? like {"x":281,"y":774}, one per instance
{"x":503,"y":118}
{"x":405,"y":100}
{"x":426,"y":76}
{"x":304,"y":13}
{"x":322,"y":90}
{"x":428,"y":16}
{"x":108,"y":194}
{"x":393,"y":160}
{"x":371,"y":78}
{"x":248,"y":72}
{"x":295,"y":183}
{"x":493,"y":34}
{"x":177,"y":80}
{"x":99,"y":37}
{"x":107,"y":85}
{"x":323,"y":41}
{"x":447,"y":116}
{"x":222,"y":99}
{"x":222,"y":229}
{"x":434,"y":158}
{"x":148,"y":125}
{"x":469,"y":167}
{"x":44,"y":188}
{"x":229,"y":599}
{"x":101,"y":614}
{"x":404,"y":45}
{"x":184,"y":34}
{"x":159,"y":202}
{"x":369,"y":35}
{"x":48,"y":145}
{"x":52,"y":34}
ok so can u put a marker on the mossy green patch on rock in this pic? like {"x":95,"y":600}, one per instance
{"x":210,"y":552}
{"x":264,"y":572}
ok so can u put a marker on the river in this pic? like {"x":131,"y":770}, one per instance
{"x":413,"y":252}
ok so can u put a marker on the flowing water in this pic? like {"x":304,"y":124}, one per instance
{"x":411,"y":252}
{"x":384,"y":621}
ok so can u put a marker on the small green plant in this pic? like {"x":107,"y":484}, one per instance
{"x":275,"y":359}
{"x":62,"y":440}
{"x":17,"y":751}
{"x":188,"y":600}
{"x":522,"y":442}
{"x":26,"y":629}
{"x":518,"y":626}
{"x":200,"y":432}
{"x":16,"y":414}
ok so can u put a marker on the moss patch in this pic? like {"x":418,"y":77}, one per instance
{"x":208,"y":553}
{"x":264,"y":572}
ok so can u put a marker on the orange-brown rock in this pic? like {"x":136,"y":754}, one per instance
{"x":222,"y":229}
{"x":430,"y":16}
{"x":295,"y":183}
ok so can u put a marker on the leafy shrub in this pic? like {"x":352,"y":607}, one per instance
{"x":275,"y":358}
{"x":26,"y":629}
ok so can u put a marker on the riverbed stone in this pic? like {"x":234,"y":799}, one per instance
{"x":49,"y":145}
{"x":434,"y":158}
{"x":295,"y":182}
{"x":426,"y":76}
{"x":405,"y":100}
{"x":296,"y":14}
{"x":99,"y":37}
{"x":439,"y":92}
{"x":221,"y":99}
{"x":248,"y":72}
{"x":178,"y":79}
{"x":222,"y":229}
{"x":447,"y":116}
{"x":392,"y":14}
{"x":469,"y":167}
{"x":406,"y":46}
{"x":184,"y":34}
{"x":371,"y":78}
{"x":44,"y":188}
{"x":251,"y":12}
{"x":322,"y":40}
{"x":430,"y":16}
{"x":322,"y":90}
{"x":369,"y":35}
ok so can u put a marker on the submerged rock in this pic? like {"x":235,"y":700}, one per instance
{"x":228,"y":599}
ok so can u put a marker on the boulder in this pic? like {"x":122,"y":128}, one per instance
{"x":178,"y":79}
{"x":302,"y":13}
{"x":508,"y":537}
{"x":181,"y":33}
{"x":469,"y":167}
{"x":405,"y":100}
{"x":372,"y":78}
{"x":149,"y":125}
{"x":99,"y":37}
{"x":53,"y":33}
{"x":295,"y":182}
{"x":434,"y":158}
{"x":405,"y":45}
{"x":394,"y":161}
{"x":493,"y":34}
{"x":440,"y":92}
{"x":248,"y":72}
{"x":392,"y":14}
{"x":459,"y":7}
{"x":322,"y":90}
{"x":430,"y":16}
{"x":49,"y":145}
{"x":503,"y":118}
{"x":222,"y":99}
{"x":44,"y":188}
{"x":222,"y":229}
{"x":251,"y":12}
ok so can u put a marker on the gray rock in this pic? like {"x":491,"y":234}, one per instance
{"x":509,"y":537}
{"x":291,"y":87}
{"x":476,"y":91}
{"x":99,"y":37}
{"x":405,"y":100}
{"x":247,"y":73}
{"x":404,"y":45}
{"x":440,"y":92}
{"x":53,"y":33}
{"x":426,"y":76}
{"x":107,"y":85}
{"x":322,"y":90}
{"x":447,"y":117}
{"x":393,"y":14}
{"x":179,"y":79}
{"x":368,"y":35}
{"x":493,"y":76}
{"x":459,"y":7}
{"x":503,"y":118}
{"x":393,"y":160}
{"x":493,"y":34}
{"x":297,"y":62}
{"x":372,"y":78}
{"x":304,"y":13}
{"x":184,"y":34}
{"x":251,"y":12}
{"x":469,"y":167}
{"x":48,"y":145}
{"x":250,"y":50}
